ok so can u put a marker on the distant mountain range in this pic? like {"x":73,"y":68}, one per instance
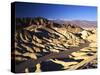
{"x":81,"y":23}
{"x":58,"y":23}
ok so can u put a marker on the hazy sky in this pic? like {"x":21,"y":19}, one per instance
{"x":67,"y":12}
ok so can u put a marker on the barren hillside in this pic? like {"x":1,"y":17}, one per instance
{"x":41,"y":44}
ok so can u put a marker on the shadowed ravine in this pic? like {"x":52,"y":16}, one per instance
{"x":64,"y":54}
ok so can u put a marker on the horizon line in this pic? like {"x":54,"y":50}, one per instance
{"x":60,"y":19}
